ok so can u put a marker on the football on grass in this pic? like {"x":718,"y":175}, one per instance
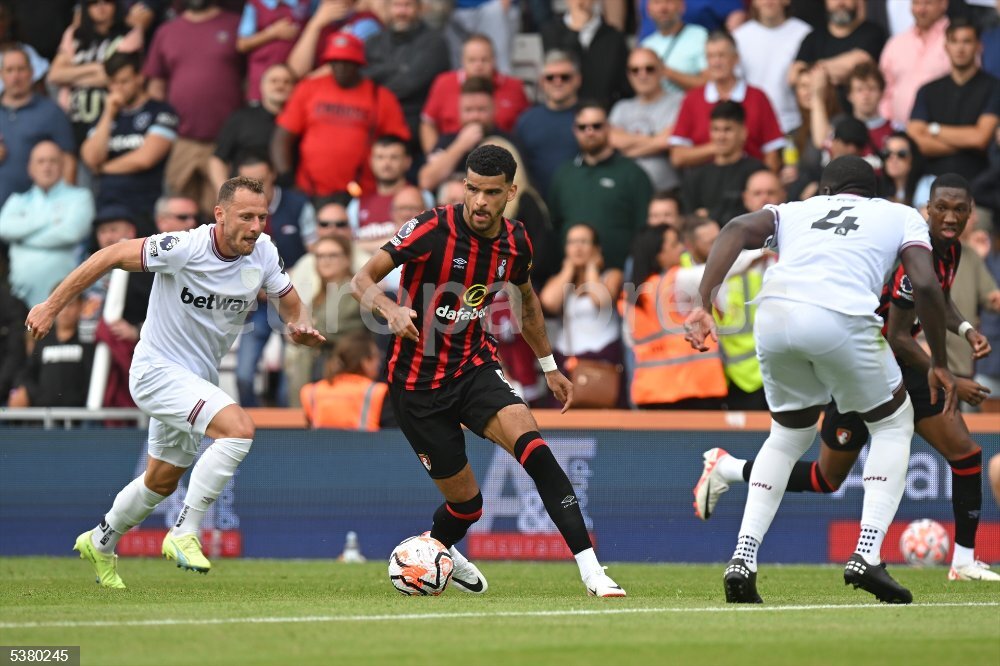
{"x":420,"y":566}
{"x":925,"y":543}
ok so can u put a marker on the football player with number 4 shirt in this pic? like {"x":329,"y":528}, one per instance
{"x":206,"y":281}
{"x":443,"y":366}
{"x":844,"y":435}
{"x":813,"y":351}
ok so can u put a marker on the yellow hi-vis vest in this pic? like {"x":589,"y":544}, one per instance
{"x":735,"y":325}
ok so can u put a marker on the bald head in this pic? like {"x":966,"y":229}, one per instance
{"x":45,"y":164}
{"x":762,"y":187}
{"x":406,"y":204}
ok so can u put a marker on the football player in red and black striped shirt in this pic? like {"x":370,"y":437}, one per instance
{"x":844,"y":435}
{"x":443,"y":365}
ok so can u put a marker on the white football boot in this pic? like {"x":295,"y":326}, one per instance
{"x":465,"y":575}
{"x":599,"y":584}
{"x":711,"y":485}
{"x":975,"y":571}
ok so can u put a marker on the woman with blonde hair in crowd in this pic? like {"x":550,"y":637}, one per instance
{"x":334,"y":311}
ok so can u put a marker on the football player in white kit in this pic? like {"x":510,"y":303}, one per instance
{"x":817,"y":337}
{"x":206,"y":281}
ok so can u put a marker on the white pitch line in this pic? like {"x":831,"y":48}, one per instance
{"x":475,"y":615}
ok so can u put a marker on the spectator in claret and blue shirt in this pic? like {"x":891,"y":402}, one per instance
{"x":129,"y":146}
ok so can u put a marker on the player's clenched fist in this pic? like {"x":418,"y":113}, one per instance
{"x":39,"y":320}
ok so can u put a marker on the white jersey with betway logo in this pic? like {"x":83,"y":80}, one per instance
{"x":836,"y":251}
{"x":200,"y":297}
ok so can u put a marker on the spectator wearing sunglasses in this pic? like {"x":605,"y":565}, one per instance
{"x":601,"y":187}
{"x":641,"y":126}
{"x":902,"y":179}
{"x":332,"y":220}
{"x":545,"y":131}
{"x":176,"y":213}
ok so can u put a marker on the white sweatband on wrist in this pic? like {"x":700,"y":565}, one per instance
{"x":964,"y":328}
{"x":548,"y":363}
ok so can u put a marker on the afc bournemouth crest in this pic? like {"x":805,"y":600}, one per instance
{"x":843,"y":436}
{"x":425,"y":460}
{"x":502,"y":268}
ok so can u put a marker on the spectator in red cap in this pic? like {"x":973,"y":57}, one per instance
{"x":330,"y":18}
{"x":335,"y":120}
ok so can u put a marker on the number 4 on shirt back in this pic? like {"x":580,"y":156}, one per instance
{"x":839,"y":228}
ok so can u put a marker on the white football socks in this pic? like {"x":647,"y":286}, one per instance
{"x":746,"y":550}
{"x":131,"y":506}
{"x":770,"y":475}
{"x":962,"y":556}
{"x":208,"y":478}
{"x":731,"y":468}
{"x":587,"y":561}
{"x":884,"y":478}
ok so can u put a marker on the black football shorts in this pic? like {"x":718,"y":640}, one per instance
{"x":432,"y":419}
{"x":848,"y":432}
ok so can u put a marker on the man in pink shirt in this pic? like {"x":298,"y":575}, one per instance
{"x":913,"y":58}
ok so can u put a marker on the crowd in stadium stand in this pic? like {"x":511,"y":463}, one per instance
{"x":640,"y":129}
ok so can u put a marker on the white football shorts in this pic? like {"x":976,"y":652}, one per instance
{"x":808,"y":353}
{"x":180,"y":405}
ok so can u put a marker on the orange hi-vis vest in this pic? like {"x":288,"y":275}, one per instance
{"x":349,"y":402}
{"x":667,"y":368}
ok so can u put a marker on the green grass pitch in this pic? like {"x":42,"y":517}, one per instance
{"x":321,"y":612}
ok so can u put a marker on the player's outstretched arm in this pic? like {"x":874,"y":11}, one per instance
{"x":364,"y":287}
{"x":929,"y":302}
{"x":126,"y":255}
{"x":745,"y":232}
{"x":300,"y":328}
{"x":533,"y":332}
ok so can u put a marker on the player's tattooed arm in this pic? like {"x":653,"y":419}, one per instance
{"x":126,"y":255}
{"x":533,"y":331}
{"x":365,"y":289}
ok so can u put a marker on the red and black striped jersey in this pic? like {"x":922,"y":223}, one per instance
{"x":450,"y":277}
{"x":899,"y":292}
